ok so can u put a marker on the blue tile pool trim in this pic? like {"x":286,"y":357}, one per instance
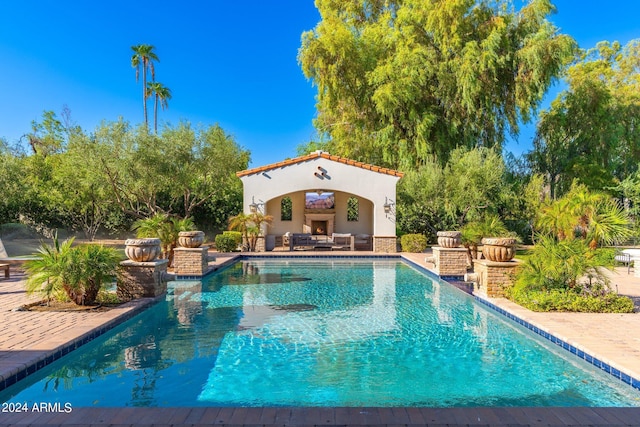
{"x":34,"y":366}
{"x":625,"y":378}
{"x":325,"y":256}
{"x":616,"y":373}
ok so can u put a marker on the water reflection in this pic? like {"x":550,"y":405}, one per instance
{"x":186,"y":306}
{"x":141,"y":356}
{"x":249,"y":274}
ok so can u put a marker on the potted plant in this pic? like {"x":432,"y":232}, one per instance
{"x":142,"y":250}
{"x":473,"y":233}
{"x":190,"y":239}
{"x":165,"y":228}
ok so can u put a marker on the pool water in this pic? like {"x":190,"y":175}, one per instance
{"x":320,"y":333}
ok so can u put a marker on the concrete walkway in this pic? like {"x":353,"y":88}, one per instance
{"x":31,"y":339}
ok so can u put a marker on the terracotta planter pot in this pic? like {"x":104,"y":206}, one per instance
{"x":142,"y":250}
{"x":190,"y":239}
{"x":449,"y":239}
{"x":499,"y":249}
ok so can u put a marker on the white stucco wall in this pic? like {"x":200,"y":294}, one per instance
{"x":266,"y":188}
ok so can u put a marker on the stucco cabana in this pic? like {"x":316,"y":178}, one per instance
{"x":323,"y":194}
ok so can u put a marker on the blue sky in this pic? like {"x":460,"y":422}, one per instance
{"x":227,"y":62}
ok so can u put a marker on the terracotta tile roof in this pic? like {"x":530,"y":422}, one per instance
{"x":324,"y":155}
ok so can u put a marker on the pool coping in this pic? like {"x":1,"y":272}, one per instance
{"x":32,"y":361}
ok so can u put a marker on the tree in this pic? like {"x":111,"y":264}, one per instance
{"x":421,"y":201}
{"x":177,"y":171}
{"x":402,"y":82}
{"x":250,"y":225}
{"x":143,"y":57}
{"x":161,"y":94}
{"x":473,"y":182}
{"x":12,"y":183}
{"x":47,"y":137}
{"x":591,"y":130}
{"x":81,"y":194}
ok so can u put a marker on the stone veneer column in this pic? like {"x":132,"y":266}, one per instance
{"x":191,"y":261}
{"x":142,"y":279}
{"x":450,"y":262}
{"x":493,"y":277}
{"x":384,"y":244}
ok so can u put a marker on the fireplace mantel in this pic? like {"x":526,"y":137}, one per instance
{"x":309,"y":217}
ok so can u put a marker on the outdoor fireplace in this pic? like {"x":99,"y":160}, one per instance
{"x":319,"y":227}
{"x":320,"y":224}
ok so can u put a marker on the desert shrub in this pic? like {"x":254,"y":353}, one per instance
{"x":413,"y":242}
{"x":569,"y":300}
{"x":228,"y":241}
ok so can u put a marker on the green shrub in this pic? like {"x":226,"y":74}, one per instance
{"x":228,"y":241}
{"x":413,"y":243}
{"x":237,"y":235}
{"x":569,"y":300}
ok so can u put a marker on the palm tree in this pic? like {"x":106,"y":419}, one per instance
{"x":77,"y":272}
{"x":143,"y":57}
{"x":250,"y":226}
{"x":161,"y":93}
{"x":587,"y":215}
{"x":241,"y":223}
{"x":47,"y":272}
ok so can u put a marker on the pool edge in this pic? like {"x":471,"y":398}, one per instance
{"x":44,"y":358}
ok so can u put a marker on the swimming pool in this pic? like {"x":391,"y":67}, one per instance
{"x":320,"y":333}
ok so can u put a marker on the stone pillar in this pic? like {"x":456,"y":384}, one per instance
{"x":384,"y":244}
{"x":191,"y":261}
{"x":450,"y":262}
{"x":493,"y":277}
{"x":142,"y":279}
